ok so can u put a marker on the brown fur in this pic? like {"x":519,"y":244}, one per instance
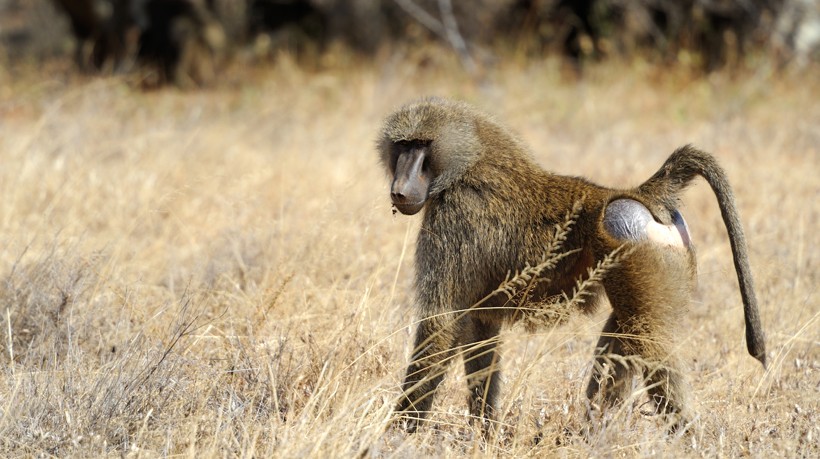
{"x":492,"y":210}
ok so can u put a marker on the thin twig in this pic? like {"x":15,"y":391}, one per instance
{"x":425,"y":18}
{"x":446,"y":29}
{"x":454,"y":36}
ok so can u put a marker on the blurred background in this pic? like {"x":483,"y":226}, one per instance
{"x":191,"y":42}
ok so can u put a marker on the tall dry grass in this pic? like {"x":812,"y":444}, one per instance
{"x":218,"y":273}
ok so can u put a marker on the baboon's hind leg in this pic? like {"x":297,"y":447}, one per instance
{"x":611,"y":374}
{"x":649,"y":290}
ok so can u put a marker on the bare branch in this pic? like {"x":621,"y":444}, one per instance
{"x":446,"y":29}
{"x":425,"y":18}
{"x":454,"y":36}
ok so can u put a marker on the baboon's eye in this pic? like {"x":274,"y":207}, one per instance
{"x":414,"y":143}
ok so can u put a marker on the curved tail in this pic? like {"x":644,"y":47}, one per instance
{"x":667,"y":184}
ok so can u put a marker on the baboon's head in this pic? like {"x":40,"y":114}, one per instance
{"x":425,"y":147}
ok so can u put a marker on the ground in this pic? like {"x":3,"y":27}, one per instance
{"x":218,"y":272}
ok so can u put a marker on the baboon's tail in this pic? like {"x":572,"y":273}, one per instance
{"x":666,"y":185}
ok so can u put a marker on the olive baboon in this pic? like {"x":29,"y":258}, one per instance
{"x":489,"y":210}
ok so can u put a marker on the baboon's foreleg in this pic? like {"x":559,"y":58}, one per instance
{"x":436,"y":338}
{"x":482,"y":365}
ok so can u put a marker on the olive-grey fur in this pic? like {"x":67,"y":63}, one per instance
{"x":491,"y":210}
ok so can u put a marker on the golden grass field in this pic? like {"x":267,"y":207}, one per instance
{"x":218,"y":273}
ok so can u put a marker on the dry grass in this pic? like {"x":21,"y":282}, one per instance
{"x":218,"y":273}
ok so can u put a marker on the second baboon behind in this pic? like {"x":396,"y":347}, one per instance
{"x":490,"y":211}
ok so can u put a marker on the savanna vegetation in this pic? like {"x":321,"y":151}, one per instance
{"x":218,"y":273}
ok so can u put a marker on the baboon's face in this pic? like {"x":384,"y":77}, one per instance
{"x":410,"y":164}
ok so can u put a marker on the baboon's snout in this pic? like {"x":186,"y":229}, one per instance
{"x":406,"y":197}
{"x":411,"y":182}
